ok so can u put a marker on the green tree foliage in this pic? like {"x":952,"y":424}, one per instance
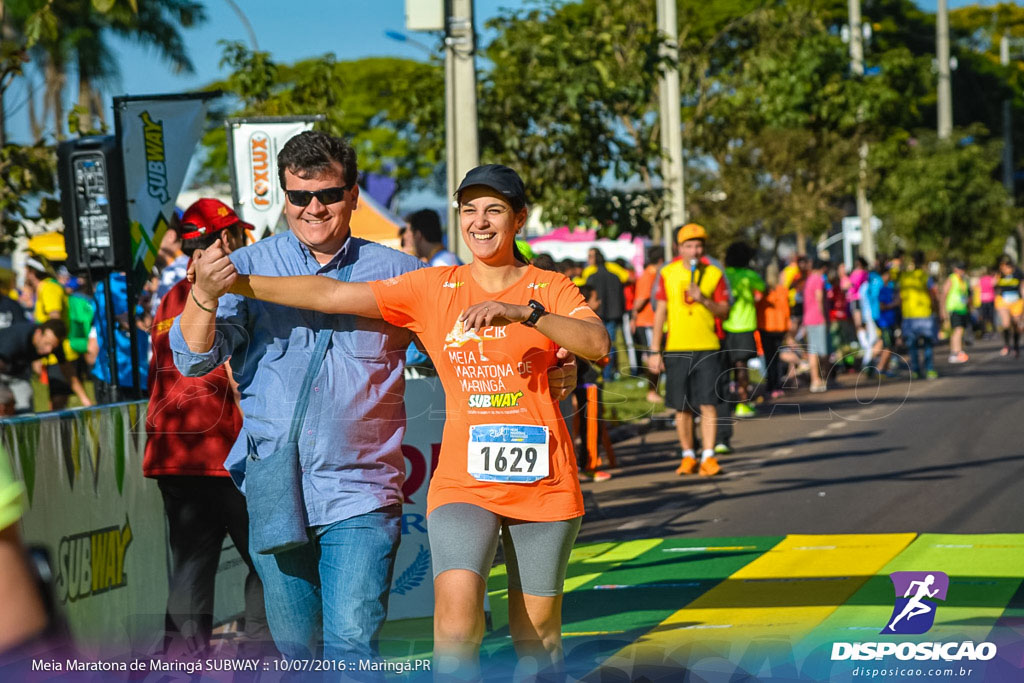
{"x":941,"y":196}
{"x":575,"y":83}
{"x":392,"y":110}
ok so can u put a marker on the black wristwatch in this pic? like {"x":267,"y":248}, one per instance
{"x":538,"y":311}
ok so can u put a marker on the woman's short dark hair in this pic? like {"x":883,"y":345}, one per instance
{"x":311,"y":152}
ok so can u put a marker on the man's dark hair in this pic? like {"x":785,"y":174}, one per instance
{"x":587,"y":291}
{"x":311,"y":152}
{"x":191,"y":246}
{"x":598,"y":256}
{"x":738,"y":255}
{"x":427,"y":223}
{"x":544,"y":262}
{"x":654,"y":255}
{"x":59,"y":329}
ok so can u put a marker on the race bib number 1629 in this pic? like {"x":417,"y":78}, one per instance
{"x":509,"y":453}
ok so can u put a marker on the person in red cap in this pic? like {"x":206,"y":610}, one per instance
{"x":192,"y":423}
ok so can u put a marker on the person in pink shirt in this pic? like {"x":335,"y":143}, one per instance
{"x":987,"y":290}
{"x":857,"y":278}
{"x":815,"y":323}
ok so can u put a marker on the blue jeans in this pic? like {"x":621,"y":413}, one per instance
{"x":612,"y":367}
{"x":922,"y":329}
{"x":334,"y":587}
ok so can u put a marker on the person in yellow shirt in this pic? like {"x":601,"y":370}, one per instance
{"x":918,"y":297}
{"x":51,"y":303}
{"x":692,"y":299}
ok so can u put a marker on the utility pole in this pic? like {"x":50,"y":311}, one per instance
{"x":672,"y":169}
{"x":464,"y":145}
{"x":1004,"y":59}
{"x":864,"y":210}
{"x":945,"y":95}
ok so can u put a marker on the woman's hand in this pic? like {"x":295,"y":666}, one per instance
{"x":494,"y":313}
{"x":214,"y":271}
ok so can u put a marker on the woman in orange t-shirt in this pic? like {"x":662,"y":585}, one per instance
{"x":492,"y":328}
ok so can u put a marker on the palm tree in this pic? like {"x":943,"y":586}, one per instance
{"x":81,"y":42}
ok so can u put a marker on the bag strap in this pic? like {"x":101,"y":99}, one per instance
{"x":323,"y":340}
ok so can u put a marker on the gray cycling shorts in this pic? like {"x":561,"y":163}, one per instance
{"x":464,"y":536}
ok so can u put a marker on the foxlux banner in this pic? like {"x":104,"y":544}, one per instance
{"x":158,"y":136}
{"x":259,"y":198}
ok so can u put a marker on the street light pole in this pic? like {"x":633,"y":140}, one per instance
{"x":1004,"y":59}
{"x":462,"y":133}
{"x":864,"y":211}
{"x":945,"y":94}
{"x":672,"y":168}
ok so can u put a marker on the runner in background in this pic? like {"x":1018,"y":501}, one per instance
{"x":1009,"y":303}
{"x":869,"y":312}
{"x":643,"y":315}
{"x":520,"y":474}
{"x":747,"y":290}
{"x":815,"y":323}
{"x":986,"y":303}
{"x":773,"y":324}
{"x":918,"y":302}
{"x":955,"y":310}
{"x":888,"y":310}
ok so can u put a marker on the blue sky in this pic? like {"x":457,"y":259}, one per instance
{"x":289,"y":31}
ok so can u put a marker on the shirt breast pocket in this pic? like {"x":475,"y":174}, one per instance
{"x":369,"y":340}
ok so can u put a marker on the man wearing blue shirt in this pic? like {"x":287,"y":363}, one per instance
{"x":336,"y":585}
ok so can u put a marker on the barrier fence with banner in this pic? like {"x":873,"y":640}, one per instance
{"x":103,"y":522}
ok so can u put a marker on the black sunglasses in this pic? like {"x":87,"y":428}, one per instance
{"x":328,"y":195}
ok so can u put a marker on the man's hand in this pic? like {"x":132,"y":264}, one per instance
{"x":214,"y":271}
{"x":655,"y":363}
{"x":562,"y":377}
{"x":695,"y":294}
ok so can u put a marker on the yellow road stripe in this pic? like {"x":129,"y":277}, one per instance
{"x":787,"y":590}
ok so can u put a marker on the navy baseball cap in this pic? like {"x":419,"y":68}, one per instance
{"x":497,"y":177}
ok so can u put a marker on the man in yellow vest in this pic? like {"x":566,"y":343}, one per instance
{"x":692,"y":298}
{"x":918,"y":302}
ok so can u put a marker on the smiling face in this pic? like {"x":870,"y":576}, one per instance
{"x":489,"y":225}
{"x":321,"y":227}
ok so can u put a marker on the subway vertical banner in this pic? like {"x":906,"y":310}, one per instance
{"x":158,"y":134}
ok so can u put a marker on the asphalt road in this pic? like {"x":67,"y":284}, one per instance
{"x":901,"y":456}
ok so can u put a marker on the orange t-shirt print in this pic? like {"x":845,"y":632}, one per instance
{"x":493,"y":375}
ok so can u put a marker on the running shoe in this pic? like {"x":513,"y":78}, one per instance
{"x":1005,"y":351}
{"x":931,"y":374}
{"x":687,"y":466}
{"x":654,"y":397}
{"x":723,"y":449}
{"x":915,"y":375}
{"x":778,"y":393}
{"x":957,"y":358}
{"x":820,"y":389}
{"x":744,"y":410}
{"x":598,"y":475}
{"x":709,"y":467}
